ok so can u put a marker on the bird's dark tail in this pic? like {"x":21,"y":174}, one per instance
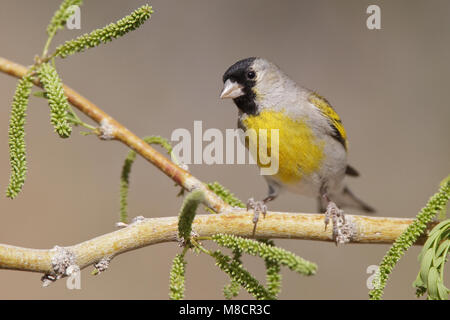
{"x":346,"y":199}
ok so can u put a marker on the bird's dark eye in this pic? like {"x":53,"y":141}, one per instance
{"x":251,"y":75}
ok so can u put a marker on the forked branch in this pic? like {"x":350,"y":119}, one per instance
{"x":111,"y":129}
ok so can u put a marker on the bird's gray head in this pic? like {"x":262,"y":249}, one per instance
{"x":250,"y":79}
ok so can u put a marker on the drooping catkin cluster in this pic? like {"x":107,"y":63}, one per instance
{"x":106,"y":34}
{"x":274,"y":257}
{"x":17,"y":153}
{"x":232,"y":289}
{"x":176,"y":287}
{"x":273,"y":275}
{"x":57,"y":100}
{"x":267,"y":252}
{"x":61,"y":15}
{"x":239,"y":275}
{"x":61,"y":115}
{"x":436,"y":203}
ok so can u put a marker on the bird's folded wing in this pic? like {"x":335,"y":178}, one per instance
{"x":338,"y":131}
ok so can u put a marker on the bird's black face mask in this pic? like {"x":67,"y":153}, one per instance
{"x":242,"y":74}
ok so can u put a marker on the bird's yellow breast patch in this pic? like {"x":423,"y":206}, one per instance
{"x":299,"y":151}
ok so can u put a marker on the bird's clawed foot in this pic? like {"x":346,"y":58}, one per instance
{"x":258,"y":207}
{"x":342,"y":229}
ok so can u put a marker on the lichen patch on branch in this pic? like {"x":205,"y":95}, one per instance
{"x":63,"y":264}
{"x":107,"y":130}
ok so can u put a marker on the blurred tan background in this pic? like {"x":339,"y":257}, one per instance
{"x":390,"y":87}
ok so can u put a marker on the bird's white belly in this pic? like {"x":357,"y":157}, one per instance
{"x":330,"y":173}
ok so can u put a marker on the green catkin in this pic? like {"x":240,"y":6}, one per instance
{"x":231,"y":290}
{"x":238,"y":274}
{"x":187,"y":213}
{"x":17,"y":152}
{"x":177,"y":280}
{"x":125,"y":185}
{"x":61,"y":15}
{"x":225,"y":195}
{"x":57,"y":100}
{"x":106,"y":34}
{"x":266,"y":252}
{"x":273,"y":275}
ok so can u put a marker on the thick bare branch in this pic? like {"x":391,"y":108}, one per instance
{"x":146,"y":232}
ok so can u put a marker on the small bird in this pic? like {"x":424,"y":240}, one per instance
{"x":312,"y":147}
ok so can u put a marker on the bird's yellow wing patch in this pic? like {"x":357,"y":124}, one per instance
{"x":335,"y":121}
{"x":299,"y":151}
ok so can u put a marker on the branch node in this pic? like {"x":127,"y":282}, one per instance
{"x":343,"y":228}
{"x":102,"y":265}
{"x":137,"y":219}
{"x":61,"y":261}
{"x":183,"y":166}
{"x":107,"y":130}
{"x":182,"y":242}
{"x":72,"y":269}
{"x":121,"y":224}
{"x":63,"y":264}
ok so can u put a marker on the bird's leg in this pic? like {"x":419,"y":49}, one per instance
{"x":329,"y":210}
{"x":342,"y":230}
{"x":258,"y":208}
{"x":261,"y":205}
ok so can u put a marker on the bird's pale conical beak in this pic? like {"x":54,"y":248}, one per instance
{"x":231,"y":90}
